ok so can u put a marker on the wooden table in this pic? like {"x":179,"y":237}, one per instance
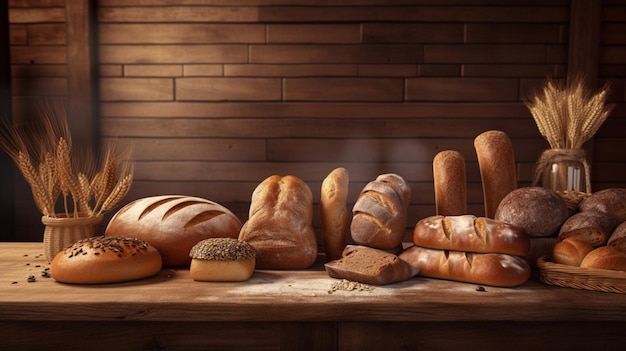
{"x":294,"y":310}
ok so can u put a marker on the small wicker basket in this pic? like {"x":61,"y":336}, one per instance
{"x":61,"y":232}
{"x":581,"y":278}
{"x":572,"y":199}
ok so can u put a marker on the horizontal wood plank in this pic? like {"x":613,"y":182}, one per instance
{"x":228,"y":89}
{"x":136,"y":89}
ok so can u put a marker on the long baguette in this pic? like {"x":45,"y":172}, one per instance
{"x":450,"y":181}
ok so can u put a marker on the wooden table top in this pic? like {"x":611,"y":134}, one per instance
{"x":304,"y":295}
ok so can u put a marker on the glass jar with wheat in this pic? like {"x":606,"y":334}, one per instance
{"x":567,"y":115}
{"x":71,"y":190}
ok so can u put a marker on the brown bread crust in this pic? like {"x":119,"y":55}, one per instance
{"x":334,"y":214}
{"x":611,"y":201}
{"x":571,"y":251}
{"x":450,"y":181}
{"x":593,"y":227}
{"x":605,"y":257}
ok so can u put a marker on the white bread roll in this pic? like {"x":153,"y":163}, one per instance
{"x":222,"y":260}
{"x":605,"y":257}
{"x":334,"y":214}
{"x":471,"y":234}
{"x":174,"y":224}
{"x":496,"y":161}
{"x":593,"y":227}
{"x":105,"y":259}
{"x":450,"y":181}
{"x":280,"y":224}
{"x":479,"y":268}
{"x":571,"y":251}
{"x":370,"y":266}
{"x":380,"y":213}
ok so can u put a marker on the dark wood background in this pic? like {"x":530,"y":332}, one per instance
{"x":216,"y":95}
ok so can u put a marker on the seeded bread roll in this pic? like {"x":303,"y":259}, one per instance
{"x":496,"y":161}
{"x":611,"y":201}
{"x":478,"y":268}
{"x":450,"y":181}
{"x":105,"y":259}
{"x":222,"y":259}
{"x":593,"y":227}
{"x":173,"y":224}
{"x":280,"y":224}
{"x":471,"y":234}
{"x":605,"y":257}
{"x":539,"y":211}
{"x":571,"y":251}
{"x":618,"y":238}
{"x":369,"y":266}
{"x":334,"y":214}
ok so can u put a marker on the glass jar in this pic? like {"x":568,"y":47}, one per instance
{"x":565,"y":171}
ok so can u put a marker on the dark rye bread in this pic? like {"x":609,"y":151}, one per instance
{"x":593,"y":227}
{"x":611,"y":201}
{"x":618,"y":238}
{"x":370,"y":266}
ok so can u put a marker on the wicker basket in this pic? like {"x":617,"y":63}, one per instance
{"x":61,"y":232}
{"x":581,"y":278}
{"x":572,"y":199}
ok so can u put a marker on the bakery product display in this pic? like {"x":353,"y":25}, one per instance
{"x":605,"y":257}
{"x":174,"y":224}
{"x":471,"y":234}
{"x":450,"y":183}
{"x":334,"y":214}
{"x":280,"y":224}
{"x":539,"y":211}
{"x":370,"y":266}
{"x":611,"y":201}
{"x":480,"y":268}
{"x":379,"y":217}
{"x":593,"y":227}
{"x":105,"y":259}
{"x":618,"y":237}
{"x":571,"y":251}
{"x":496,"y":161}
{"x":222,"y":259}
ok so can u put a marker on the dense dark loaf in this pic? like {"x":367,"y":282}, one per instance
{"x":611,"y":201}
{"x":593,"y":227}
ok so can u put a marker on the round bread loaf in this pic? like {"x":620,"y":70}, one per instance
{"x":222,"y":259}
{"x":593,"y":227}
{"x":105,"y":259}
{"x":618,"y":237}
{"x":605,"y":257}
{"x":571,"y":251}
{"x":539,"y":211}
{"x":174,"y":224}
{"x":611,"y":201}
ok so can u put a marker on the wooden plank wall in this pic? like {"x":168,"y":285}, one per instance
{"x":214,"y":96}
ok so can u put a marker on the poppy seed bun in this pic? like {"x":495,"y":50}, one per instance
{"x":222,"y":259}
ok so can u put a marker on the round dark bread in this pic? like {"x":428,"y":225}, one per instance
{"x":593,"y":227}
{"x":611,"y":201}
{"x":618,"y":237}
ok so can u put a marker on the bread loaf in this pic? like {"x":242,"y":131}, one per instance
{"x":593,"y":227}
{"x":539,"y":211}
{"x":479,"y":268}
{"x":105,"y":259}
{"x":173,"y":224}
{"x":471,"y":234}
{"x":379,"y":214}
{"x":334,"y":214}
{"x":571,"y":251}
{"x":398,"y":184}
{"x":280,"y":224}
{"x":369,"y":266}
{"x":496,"y":161}
{"x":605,"y":257}
{"x":611,"y":201}
{"x":450,"y":181}
{"x":618,"y":237}
{"x":222,"y":259}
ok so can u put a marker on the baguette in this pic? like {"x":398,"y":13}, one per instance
{"x":334,"y":215}
{"x":450,"y":181}
{"x":479,"y":268}
{"x":496,"y":161}
{"x":471,"y":234}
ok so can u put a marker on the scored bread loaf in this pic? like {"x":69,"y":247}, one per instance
{"x":593,"y":227}
{"x":611,"y":200}
{"x":380,"y":213}
{"x":571,"y":251}
{"x":471,"y":234}
{"x":334,"y":214}
{"x":605,"y":257}
{"x":173,"y":224}
{"x":369,"y":266}
{"x":480,"y":268}
{"x":496,"y":161}
{"x":450,"y":181}
{"x":280,"y":224}
{"x":618,"y":237}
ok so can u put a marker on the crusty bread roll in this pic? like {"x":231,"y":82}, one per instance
{"x":593,"y":227}
{"x":611,"y":200}
{"x":334,"y":214}
{"x":222,"y":259}
{"x":496,"y":161}
{"x":280,"y":224}
{"x":618,"y":237}
{"x":105,"y":259}
{"x":450,"y":181}
{"x":605,"y":257}
{"x":471,"y":234}
{"x":369,"y":266}
{"x":571,"y":251}
{"x":540,"y":211}
{"x":173,"y":224}
{"x":380,"y":213}
{"x":479,"y":268}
